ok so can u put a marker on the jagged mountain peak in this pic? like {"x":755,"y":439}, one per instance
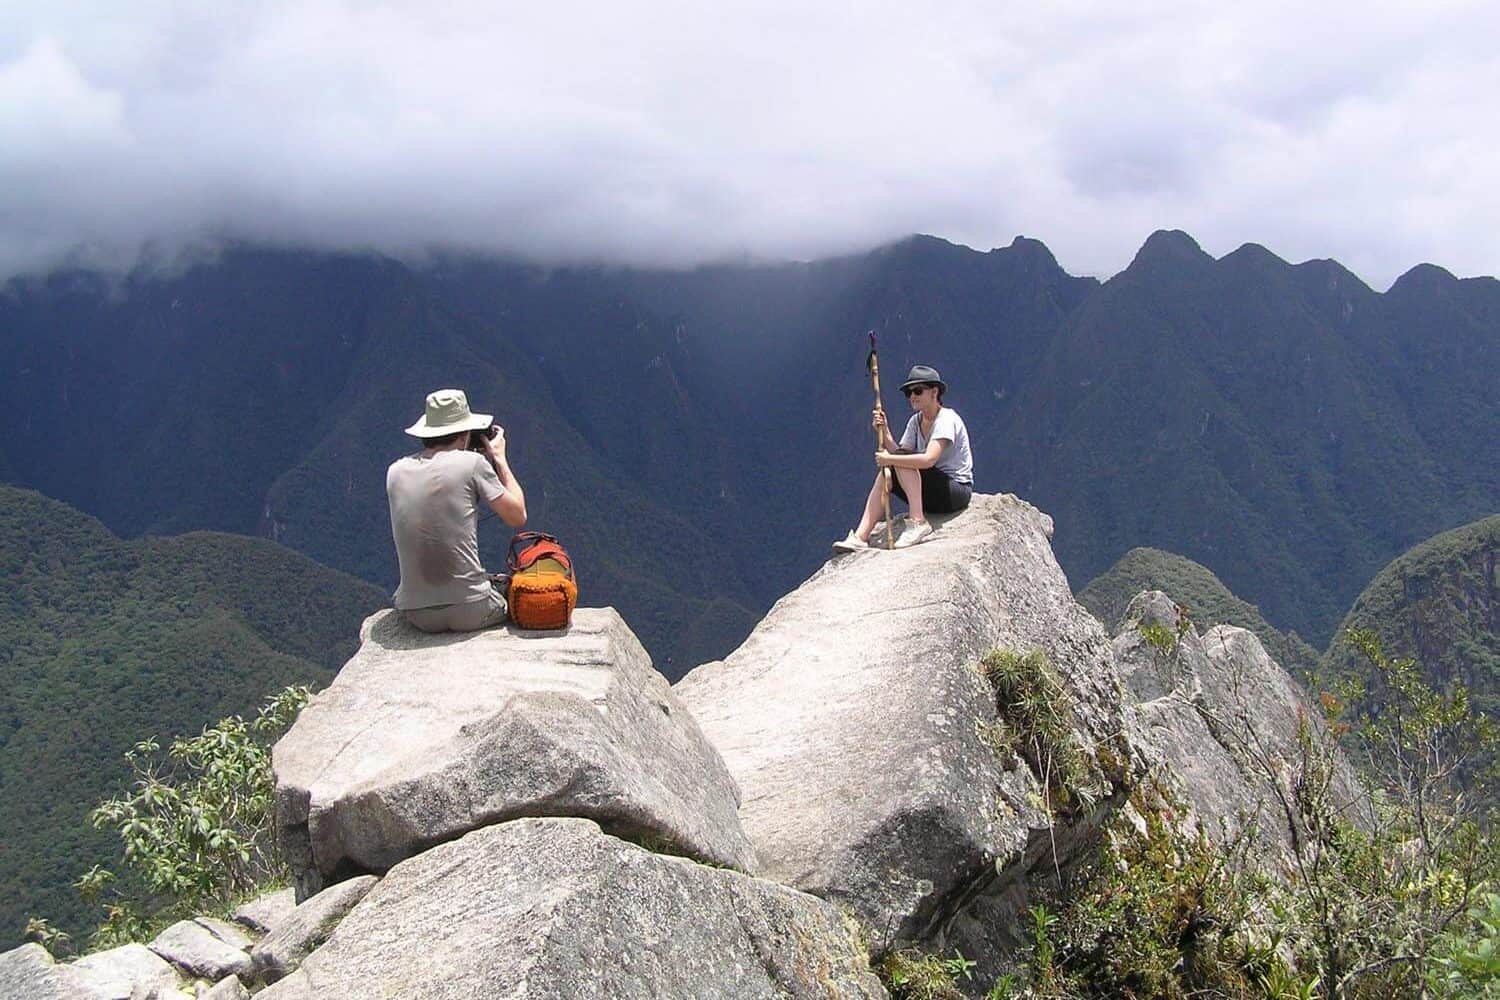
{"x":1168,"y":246}
{"x":1332,"y":275}
{"x":1255,"y":255}
{"x":1425,"y":278}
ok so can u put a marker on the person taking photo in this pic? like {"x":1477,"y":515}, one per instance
{"x":436,"y":496}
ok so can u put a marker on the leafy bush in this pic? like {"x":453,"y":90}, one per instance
{"x":196,"y":825}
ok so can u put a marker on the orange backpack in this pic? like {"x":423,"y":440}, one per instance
{"x":542,"y":591}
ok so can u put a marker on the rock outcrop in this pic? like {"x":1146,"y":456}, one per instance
{"x":859,"y":725}
{"x":30,"y":972}
{"x":522,"y":815}
{"x":265,"y":912}
{"x":542,"y":908}
{"x":304,"y":929}
{"x":422,"y":738}
{"x":203,"y":956}
{"x":195,"y":949}
{"x":1222,"y":718}
{"x":126,"y":973}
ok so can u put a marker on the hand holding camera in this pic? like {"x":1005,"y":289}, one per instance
{"x":489,"y":442}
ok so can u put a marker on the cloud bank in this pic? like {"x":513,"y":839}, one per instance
{"x":671,"y":133}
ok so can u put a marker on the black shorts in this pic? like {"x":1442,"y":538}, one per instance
{"x":940,"y":494}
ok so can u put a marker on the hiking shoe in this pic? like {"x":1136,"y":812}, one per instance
{"x":850,"y":543}
{"x":916,"y":531}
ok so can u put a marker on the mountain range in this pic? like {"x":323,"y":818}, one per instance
{"x":698,"y":437}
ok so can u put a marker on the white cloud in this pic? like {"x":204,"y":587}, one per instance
{"x":672,"y":132}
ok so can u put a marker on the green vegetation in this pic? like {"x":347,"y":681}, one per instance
{"x":913,"y":975}
{"x":1205,"y":596}
{"x":103,"y":641}
{"x":1438,"y":604}
{"x":195,"y":827}
{"x":1036,"y":721}
{"x":1403,"y":905}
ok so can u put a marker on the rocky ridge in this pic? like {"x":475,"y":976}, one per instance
{"x":513,"y":814}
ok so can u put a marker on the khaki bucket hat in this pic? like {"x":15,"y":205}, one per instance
{"x":448,"y":413}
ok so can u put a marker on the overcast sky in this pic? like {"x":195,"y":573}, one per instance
{"x":673,"y":133}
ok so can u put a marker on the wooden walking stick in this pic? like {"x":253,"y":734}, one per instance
{"x":872,"y":363}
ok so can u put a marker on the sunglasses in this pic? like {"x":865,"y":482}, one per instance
{"x":915,"y":390}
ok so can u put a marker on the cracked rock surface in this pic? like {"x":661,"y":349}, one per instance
{"x":544,"y":908}
{"x":860,"y":729}
{"x":422,"y":738}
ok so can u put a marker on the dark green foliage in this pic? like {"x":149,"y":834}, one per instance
{"x":1158,"y":916}
{"x":698,"y":437}
{"x":1438,"y":604}
{"x":196,"y":825}
{"x":1208,"y":600}
{"x":1260,"y":418}
{"x":103,"y":641}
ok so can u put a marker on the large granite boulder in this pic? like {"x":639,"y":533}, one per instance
{"x":1222,"y":718}
{"x":198,"y":951}
{"x":304,"y":930}
{"x":128,"y":972}
{"x":858,"y":723}
{"x":264,"y":913}
{"x":543,"y":908}
{"x":422,"y":738}
{"x":31,"y":973}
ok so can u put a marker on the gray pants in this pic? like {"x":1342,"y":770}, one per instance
{"x":468,"y":617}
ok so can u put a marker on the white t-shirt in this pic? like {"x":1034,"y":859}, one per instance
{"x":435,"y":502}
{"x":956,"y":461}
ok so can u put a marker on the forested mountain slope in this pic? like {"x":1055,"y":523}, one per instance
{"x":699,"y":437}
{"x":105,"y":642}
{"x":1438,"y":602}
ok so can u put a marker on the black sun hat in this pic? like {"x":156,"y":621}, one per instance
{"x":922,"y":374}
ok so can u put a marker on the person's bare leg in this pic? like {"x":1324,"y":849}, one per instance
{"x":874,"y":508}
{"x":911,"y":482}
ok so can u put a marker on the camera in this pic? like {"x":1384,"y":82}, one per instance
{"x":477,"y":438}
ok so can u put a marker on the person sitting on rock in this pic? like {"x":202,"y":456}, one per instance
{"x":435,"y":497}
{"x":932,"y":465}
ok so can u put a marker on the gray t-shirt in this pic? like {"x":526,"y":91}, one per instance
{"x":956,"y":461}
{"x":435,"y":503}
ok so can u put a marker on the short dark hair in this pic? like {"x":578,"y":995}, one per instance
{"x":441,"y":440}
{"x":940,"y":387}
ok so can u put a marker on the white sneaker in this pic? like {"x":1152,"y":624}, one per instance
{"x":915,"y":532}
{"x":850,"y":543}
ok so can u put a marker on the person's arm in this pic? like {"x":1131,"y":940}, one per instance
{"x":942,"y":433}
{"x":920,"y":460}
{"x":510,"y":506}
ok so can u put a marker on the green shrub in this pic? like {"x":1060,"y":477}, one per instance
{"x":195,"y":826}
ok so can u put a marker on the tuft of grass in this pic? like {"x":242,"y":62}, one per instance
{"x":1158,"y":637}
{"x":1037,"y":714}
{"x":914,"y":975}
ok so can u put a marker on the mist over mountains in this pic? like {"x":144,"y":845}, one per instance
{"x":698,"y":437}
